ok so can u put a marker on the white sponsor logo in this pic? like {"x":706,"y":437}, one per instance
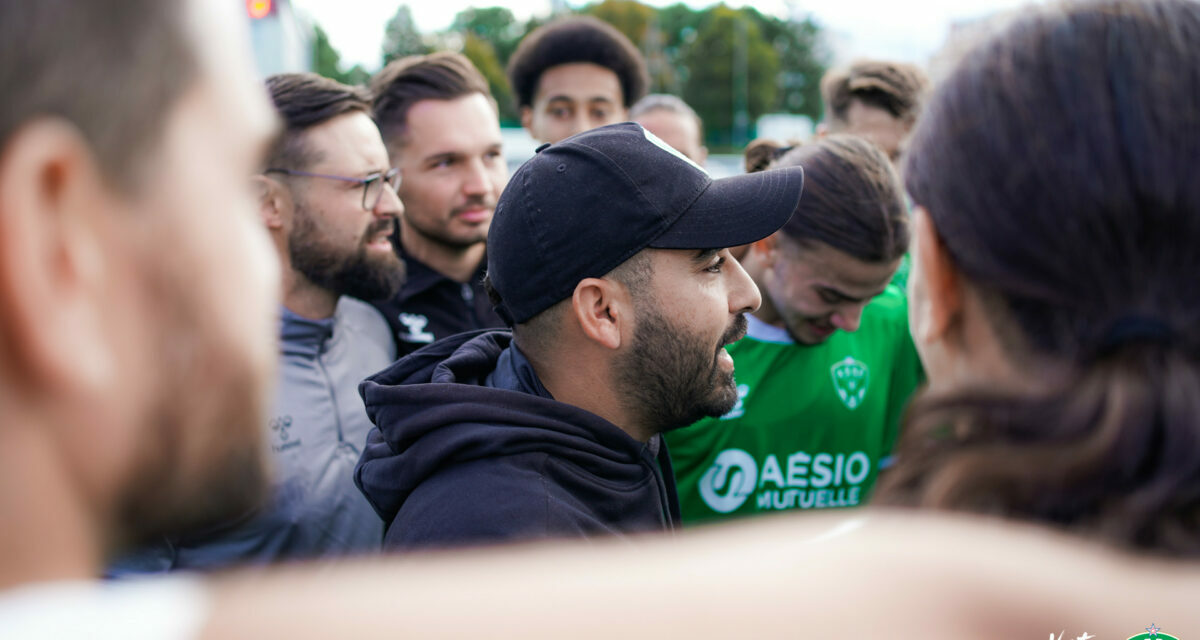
{"x":735,"y":472}
{"x":802,"y":480}
{"x":850,"y":379}
{"x":416,"y":328}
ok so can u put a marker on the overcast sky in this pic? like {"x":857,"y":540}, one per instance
{"x":909,"y":30}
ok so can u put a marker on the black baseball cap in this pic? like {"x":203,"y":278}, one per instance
{"x":581,"y":207}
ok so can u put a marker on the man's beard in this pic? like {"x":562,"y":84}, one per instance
{"x":670,"y":379}
{"x":352,"y":274}
{"x":201,"y":459}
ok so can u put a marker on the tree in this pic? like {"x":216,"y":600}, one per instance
{"x":731,"y":76}
{"x":327,"y":61}
{"x":801,"y":63}
{"x":400,"y":36}
{"x":494,"y":25}
{"x":483,"y":56}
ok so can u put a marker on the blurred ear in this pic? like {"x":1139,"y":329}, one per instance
{"x":764,"y":252}
{"x":274,"y":201}
{"x":56,"y":217}
{"x":527,"y":119}
{"x":940,"y":278}
{"x":822,"y":130}
{"x":604,"y":310}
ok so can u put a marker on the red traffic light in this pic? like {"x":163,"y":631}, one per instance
{"x":258,"y":8}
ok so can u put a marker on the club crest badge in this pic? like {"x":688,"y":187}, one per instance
{"x":851,"y":379}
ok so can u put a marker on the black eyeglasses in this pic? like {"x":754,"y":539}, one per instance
{"x":372,"y":184}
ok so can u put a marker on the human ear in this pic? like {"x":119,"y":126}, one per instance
{"x":603,"y":310}
{"x":53,"y":267}
{"x":527,"y":118}
{"x":942,"y":284}
{"x":273,"y":201}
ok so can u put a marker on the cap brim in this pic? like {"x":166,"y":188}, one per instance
{"x":736,"y":210}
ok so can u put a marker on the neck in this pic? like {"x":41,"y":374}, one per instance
{"x":454,"y":262}
{"x":589,"y":388}
{"x":306,"y":299}
{"x":49,"y":532}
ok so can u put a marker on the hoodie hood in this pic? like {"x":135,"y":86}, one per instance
{"x":436,"y":408}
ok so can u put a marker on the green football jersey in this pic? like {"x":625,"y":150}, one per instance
{"x":813,"y":423}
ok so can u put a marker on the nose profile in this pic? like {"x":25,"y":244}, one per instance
{"x":744,"y":296}
{"x":848,"y":318}
{"x":389,"y":204}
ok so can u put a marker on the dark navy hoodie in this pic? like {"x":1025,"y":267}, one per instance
{"x":469,"y":448}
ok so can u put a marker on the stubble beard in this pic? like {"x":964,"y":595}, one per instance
{"x":671,"y":379}
{"x":202,"y":456}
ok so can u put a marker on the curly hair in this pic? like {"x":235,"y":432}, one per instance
{"x":577,"y":39}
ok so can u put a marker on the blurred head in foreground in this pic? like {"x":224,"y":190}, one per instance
{"x":138,"y":290}
{"x":1058,"y":213}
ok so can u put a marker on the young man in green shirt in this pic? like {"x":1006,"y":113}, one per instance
{"x":828,"y":363}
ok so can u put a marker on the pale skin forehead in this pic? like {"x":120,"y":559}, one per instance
{"x":348,"y":143}
{"x":431,"y":126}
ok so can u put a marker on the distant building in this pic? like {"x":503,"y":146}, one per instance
{"x":282,"y":38}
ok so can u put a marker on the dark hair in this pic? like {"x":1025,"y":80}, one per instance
{"x":896,"y":87}
{"x":852,"y":200}
{"x":305,"y":100}
{"x":113,"y":68}
{"x":1058,"y":165}
{"x":577,"y":39}
{"x":761,"y":152}
{"x":437,"y":76}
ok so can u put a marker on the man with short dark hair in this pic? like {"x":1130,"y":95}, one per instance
{"x":575,"y":74}
{"x":673,"y":120}
{"x":327,"y":197}
{"x":441,"y":128}
{"x":827,"y":365}
{"x":874,"y":99}
{"x":606,"y":256}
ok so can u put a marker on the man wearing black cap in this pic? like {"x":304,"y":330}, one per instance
{"x":607,"y":256}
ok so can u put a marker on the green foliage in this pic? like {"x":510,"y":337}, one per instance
{"x":400,"y":36}
{"x":630,"y":17}
{"x":328,"y":62}
{"x":801,"y":63}
{"x":483,"y":56}
{"x":494,"y":25}
{"x":732,"y":74}
{"x":726,"y":63}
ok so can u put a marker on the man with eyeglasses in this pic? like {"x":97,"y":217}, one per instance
{"x":328,"y":199}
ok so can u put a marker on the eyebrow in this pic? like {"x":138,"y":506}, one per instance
{"x":593,"y":99}
{"x":849,"y":298}
{"x":702,"y":256}
{"x":445,"y":155}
